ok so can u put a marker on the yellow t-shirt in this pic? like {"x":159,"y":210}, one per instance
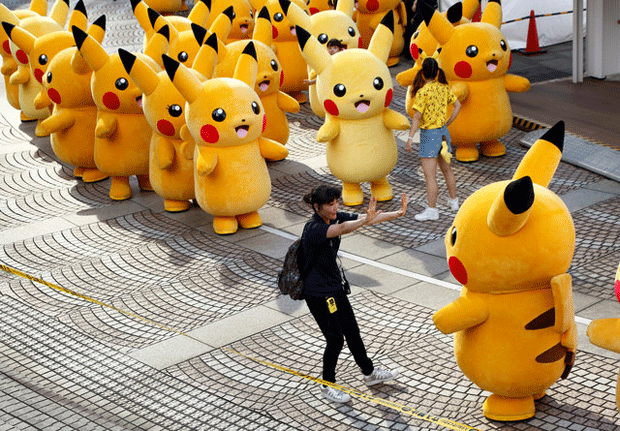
{"x":432,"y":101}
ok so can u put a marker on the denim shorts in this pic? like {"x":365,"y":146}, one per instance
{"x":430,"y":141}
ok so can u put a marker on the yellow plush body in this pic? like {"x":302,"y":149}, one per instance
{"x":369,"y":15}
{"x":167,"y":7}
{"x":510,"y":246}
{"x":316,"y":6}
{"x":475,"y":58}
{"x":243,"y":22}
{"x":225,"y":118}
{"x":355,"y":88}
{"x":268,"y":79}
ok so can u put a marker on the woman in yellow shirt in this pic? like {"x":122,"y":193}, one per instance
{"x":432,"y":97}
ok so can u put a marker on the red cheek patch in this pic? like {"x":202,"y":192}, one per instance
{"x":510,"y":60}
{"x":330,"y":107}
{"x":38,"y":74}
{"x":462,"y":69}
{"x":21,"y":57}
{"x":617,"y":289}
{"x":110,"y":101}
{"x":264,"y":123}
{"x":415,"y":51}
{"x":313,"y":10}
{"x":388,"y":97}
{"x":281,"y":77}
{"x":165,"y":127}
{"x":360,"y":43}
{"x":458,"y":270}
{"x":6,"y":47}
{"x":54,"y":95}
{"x":274,"y":32}
{"x":209,"y":133}
{"x":372,"y":5}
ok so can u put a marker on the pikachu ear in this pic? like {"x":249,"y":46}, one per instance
{"x":470,"y":7}
{"x":541,"y":161}
{"x":39,"y":7}
{"x":247,"y":65}
{"x":346,"y":6}
{"x":91,"y":50}
{"x":140,"y":11}
{"x":20,"y":37}
{"x":492,"y":13}
{"x":455,"y":13}
{"x":60,"y":12}
{"x":295,"y":14}
{"x":183,"y":79}
{"x":312,"y":51}
{"x":79,"y":17}
{"x":200,"y":12}
{"x":223,"y":23}
{"x":142,"y":74}
{"x":262,"y":29}
{"x":437,"y":24}
{"x":7,"y":15}
{"x":158,"y":44}
{"x":381,"y":41}
{"x":97,"y":29}
{"x":206,"y":58}
{"x":512,"y":207}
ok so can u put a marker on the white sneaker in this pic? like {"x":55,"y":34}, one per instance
{"x":335,"y":395}
{"x":454,"y":203}
{"x":379,"y":375}
{"x":428,"y":214}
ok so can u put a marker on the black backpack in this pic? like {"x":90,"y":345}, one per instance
{"x":290,"y":280}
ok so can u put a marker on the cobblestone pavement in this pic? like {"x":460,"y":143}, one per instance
{"x":67,"y":363}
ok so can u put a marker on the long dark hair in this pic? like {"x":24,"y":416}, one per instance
{"x":322,"y":194}
{"x":430,"y":70}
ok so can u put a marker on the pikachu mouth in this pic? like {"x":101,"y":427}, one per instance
{"x":139,"y":101}
{"x":492,"y":65}
{"x":264,"y":85}
{"x":362,"y":106}
{"x":293,"y":31}
{"x":242,"y":131}
{"x":244,"y":28}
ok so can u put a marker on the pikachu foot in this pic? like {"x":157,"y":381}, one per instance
{"x":78,"y":172}
{"x":392,"y":61}
{"x":466,"y":153}
{"x":25,"y":118}
{"x":299,"y":96}
{"x":505,"y":409}
{"x":225,"y":225}
{"x":540,"y":395}
{"x":250,"y":220}
{"x":40,"y":130}
{"x":144,"y":183}
{"x":173,"y":206}
{"x":120,"y":189}
{"x":381,"y":189}
{"x":352,"y":194}
{"x":92,"y":175}
{"x":492,"y":148}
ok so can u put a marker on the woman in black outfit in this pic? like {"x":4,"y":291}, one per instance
{"x":323,"y":286}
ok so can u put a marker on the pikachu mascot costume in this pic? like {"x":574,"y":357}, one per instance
{"x":171,"y":174}
{"x":355,"y":88}
{"x":225,"y":118}
{"x":475,"y":58}
{"x":167,"y":7}
{"x":316,"y":6}
{"x":243,"y":18}
{"x":369,"y":15}
{"x":29,"y":86}
{"x":269,"y":77}
{"x":510,"y":246}
{"x":605,"y":333}
{"x":325,"y":26}
{"x":9,"y":65}
{"x":122,"y":134}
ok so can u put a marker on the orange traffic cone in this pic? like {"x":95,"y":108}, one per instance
{"x":532,"y":47}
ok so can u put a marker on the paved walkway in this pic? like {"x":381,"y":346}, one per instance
{"x":67,"y":363}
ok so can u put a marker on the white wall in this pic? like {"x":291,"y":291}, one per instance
{"x":603,"y":40}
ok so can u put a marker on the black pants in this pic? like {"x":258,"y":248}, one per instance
{"x":336,"y":327}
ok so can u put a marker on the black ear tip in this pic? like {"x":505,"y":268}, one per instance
{"x":199,"y":33}
{"x":165,"y":31}
{"x":229,"y":12}
{"x":101,"y":21}
{"x":426,"y":11}
{"x":519,"y":195}
{"x":212,"y":41}
{"x":555,"y":135}
{"x":134,"y":3}
{"x":264,"y":13}
{"x":79,"y":35}
{"x":127,"y":58}
{"x":388,"y":20}
{"x":302,"y":36}
{"x":250,"y":49}
{"x":153,"y":15}
{"x":170,"y":65}
{"x":455,"y":12}
{"x":285,"y":4}
{"x":80,"y":7}
{"x":8,"y":27}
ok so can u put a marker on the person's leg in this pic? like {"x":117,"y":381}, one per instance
{"x":351,"y":331}
{"x":446,"y":170}
{"x":429,"y":167}
{"x":328,"y":323}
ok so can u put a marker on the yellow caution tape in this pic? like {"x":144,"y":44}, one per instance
{"x":447,"y":423}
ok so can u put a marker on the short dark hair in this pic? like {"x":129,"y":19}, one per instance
{"x":335,"y":42}
{"x":322,"y":194}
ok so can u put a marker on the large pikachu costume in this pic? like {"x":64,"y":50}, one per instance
{"x":171,"y":174}
{"x":243,"y":21}
{"x":29,"y":86}
{"x":324,"y":26}
{"x":122,"y":134}
{"x":225,"y":118}
{"x":510,"y":246}
{"x":268,"y":78}
{"x":355,"y":88}
{"x":475,"y":58}
{"x":368,"y":16}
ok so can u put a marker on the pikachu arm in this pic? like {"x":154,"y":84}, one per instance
{"x":605,"y":333}
{"x":271,"y":150}
{"x":106,"y":125}
{"x":562,"y":290}
{"x":405,"y":78}
{"x":164,"y":153}
{"x":461,"y":314}
{"x":460,"y":90}
{"x":206,"y":162}
{"x":9,"y":66}
{"x":58,"y":121}
{"x":516,"y":84}
{"x":20,"y":76}
{"x":187,"y":145}
{"x":329,"y":130}
{"x":395,"y":120}
{"x":287,"y":103}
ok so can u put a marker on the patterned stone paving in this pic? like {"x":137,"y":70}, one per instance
{"x":64,"y":362}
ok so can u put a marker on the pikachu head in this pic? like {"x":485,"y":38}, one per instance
{"x":9,"y":66}
{"x":220,"y":112}
{"x":242,"y":18}
{"x":355,"y":83}
{"x":474,"y":51}
{"x":514,"y":235}
{"x":326,"y":25}
{"x":283,"y":29}
{"x":112,"y":89}
{"x":316,"y":6}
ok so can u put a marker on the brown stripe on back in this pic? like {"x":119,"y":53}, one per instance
{"x":553,"y":354}
{"x":545,"y":320}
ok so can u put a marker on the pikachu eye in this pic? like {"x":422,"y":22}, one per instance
{"x":351,"y":31}
{"x":234,"y":15}
{"x":121,"y":84}
{"x":219,"y":115}
{"x":274,"y":65}
{"x":278,"y":17}
{"x":48,"y":77}
{"x":323,"y":38}
{"x":453,"y":236}
{"x":503,"y":44}
{"x":255,"y":108}
{"x":471,"y":51}
{"x":340,"y":90}
{"x":251,"y":14}
{"x":183,"y":56}
{"x":378,"y":83}
{"x":175,"y":110}
{"x":416,"y":34}
{"x":43,"y":59}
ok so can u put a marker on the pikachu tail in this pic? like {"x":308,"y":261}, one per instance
{"x":445,"y":153}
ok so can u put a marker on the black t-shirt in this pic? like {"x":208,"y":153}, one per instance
{"x":319,"y":256}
